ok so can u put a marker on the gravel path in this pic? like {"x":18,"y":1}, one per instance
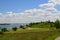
{"x":58,"y":38}
{"x":32,"y":28}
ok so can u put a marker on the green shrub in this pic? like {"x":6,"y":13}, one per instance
{"x":57,"y":24}
{"x":21,"y":26}
{"x":14,"y":28}
{"x":4,"y":29}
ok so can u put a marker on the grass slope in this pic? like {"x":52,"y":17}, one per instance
{"x":41,"y":25}
{"x":33,"y":34}
{"x":35,"y":31}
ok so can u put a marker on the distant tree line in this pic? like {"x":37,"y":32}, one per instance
{"x":55,"y":24}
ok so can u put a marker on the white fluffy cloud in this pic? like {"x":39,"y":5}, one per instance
{"x":47,"y":5}
{"x":46,"y":12}
{"x":32,"y":15}
{"x":55,"y":1}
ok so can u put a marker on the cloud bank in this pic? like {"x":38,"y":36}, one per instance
{"x":46,"y":12}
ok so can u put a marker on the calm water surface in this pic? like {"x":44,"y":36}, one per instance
{"x":12,"y":25}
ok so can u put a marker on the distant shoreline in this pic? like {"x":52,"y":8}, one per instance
{"x":4,"y":24}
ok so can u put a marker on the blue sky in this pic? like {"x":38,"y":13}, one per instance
{"x":25,"y":11}
{"x":19,"y":5}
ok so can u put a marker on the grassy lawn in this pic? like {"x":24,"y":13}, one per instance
{"x":30,"y":34}
{"x":20,"y":30}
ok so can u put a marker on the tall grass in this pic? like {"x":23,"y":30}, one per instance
{"x":43,"y":35}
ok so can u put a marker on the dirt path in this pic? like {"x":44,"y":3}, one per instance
{"x":58,"y":38}
{"x":33,"y":28}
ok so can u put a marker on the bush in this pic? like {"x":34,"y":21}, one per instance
{"x":27,"y":25}
{"x":57,"y":24}
{"x":21,"y":26}
{"x":15,"y":28}
{"x":4,"y":29}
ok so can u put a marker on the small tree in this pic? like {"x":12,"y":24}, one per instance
{"x":21,"y":26}
{"x":51,"y":24}
{"x":14,"y":28}
{"x":4,"y":29}
{"x":57,"y":24}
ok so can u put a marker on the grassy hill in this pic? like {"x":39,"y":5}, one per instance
{"x":33,"y":31}
{"x":42,"y":25}
{"x":30,"y":35}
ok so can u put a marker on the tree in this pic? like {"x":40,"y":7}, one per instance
{"x":48,"y":21}
{"x":27,"y":25}
{"x":57,"y":24}
{"x":21,"y":26}
{"x":14,"y":28}
{"x":51,"y":24}
{"x":4,"y":29}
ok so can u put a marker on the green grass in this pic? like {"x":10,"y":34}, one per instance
{"x":54,"y":35}
{"x":29,"y":36}
{"x":41,"y":25}
{"x":34,"y":34}
{"x":20,"y":30}
{"x":41,"y":31}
